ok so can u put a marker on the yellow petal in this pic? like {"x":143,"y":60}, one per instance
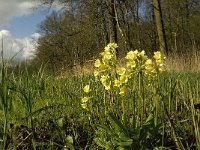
{"x":121,"y":71}
{"x":107,"y":87}
{"x":87,"y":89}
{"x":84,"y":105}
{"x":123,"y":91}
{"x":157,"y":55}
{"x":96,"y":73}
{"x":104,"y":78}
{"x":106,"y":55}
{"x":131,"y":63}
{"x":123,"y":79}
{"x":129,"y":73}
{"x":117,"y":83}
{"x":148,"y":62}
{"x":110,"y":47}
{"x":97,"y":63}
{"x":102,"y":68}
{"x":85,"y":99}
{"x":132,"y":55}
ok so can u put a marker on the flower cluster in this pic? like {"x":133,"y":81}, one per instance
{"x":106,"y":65}
{"x":136,"y":63}
{"x":121,"y":79}
{"x":85,"y":99}
{"x":159,"y":59}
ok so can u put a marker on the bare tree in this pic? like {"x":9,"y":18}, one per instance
{"x":160,"y":26}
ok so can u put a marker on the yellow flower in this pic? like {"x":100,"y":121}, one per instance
{"x":157,"y":55}
{"x":129,"y":73}
{"x":103,"y":68}
{"x":123,"y":79}
{"x":96,"y":73}
{"x":85,"y":99}
{"x":117,"y":83}
{"x":106,"y":83}
{"x":142,"y":56}
{"x":110,"y":46}
{"x":161,"y":68}
{"x":148,"y":62}
{"x":87,"y":89}
{"x":131,"y":63}
{"x":121,"y":71}
{"x":132,"y":55}
{"x":97,"y":63}
{"x":107,"y":87}
{"x":142,"y":53}
{"x":149,"y":70}
{"x":84,"y":105}
{"x":159,"y":58}
{"x":106,"y":55}
{"x":123,"y":91}
{"x":107,"y":49}
{"x":104,"y":78}
{"x":159,"y":62}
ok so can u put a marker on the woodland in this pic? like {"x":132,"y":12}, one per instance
{"x":75,"y":34}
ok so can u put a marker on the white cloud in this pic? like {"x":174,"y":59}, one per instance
{"x":10,"y":9}
{"x":57,"y":5}
{"x":35,"y":35}
{"x":20,"y":49}
{"x":23,"y":48}
{"x":13,"y":8}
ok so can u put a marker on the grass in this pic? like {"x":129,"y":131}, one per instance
{"x":39,"y":111}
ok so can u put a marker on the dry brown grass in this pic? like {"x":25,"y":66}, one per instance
{"x":184,"y":62}
{"x":176,"y":63}
{"x":78,"y":70}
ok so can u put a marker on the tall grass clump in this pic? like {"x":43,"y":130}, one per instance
{"x":5,"y":105}
{"x":5,"y":102}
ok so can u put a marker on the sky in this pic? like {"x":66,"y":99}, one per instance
{"x":19,"y":21}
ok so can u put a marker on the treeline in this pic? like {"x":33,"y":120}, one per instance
{"x":79,"y":31}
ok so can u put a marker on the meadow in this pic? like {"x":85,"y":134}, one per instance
{"x":138,"y":107}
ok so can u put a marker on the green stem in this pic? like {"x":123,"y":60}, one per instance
{"x":104,"y":101}
{"x":141,"y":100}
{"x":5,"y":129}
{"x":156,"y":103}
{"x":134,"y":111}
{"x":123,"y":109}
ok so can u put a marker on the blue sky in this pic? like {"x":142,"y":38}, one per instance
{"x":24,"y":26}
{"x":19,"y":21}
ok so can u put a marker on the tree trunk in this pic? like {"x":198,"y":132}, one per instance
{"x":160,"y":26}
{"x":153,"y":32}
{"x":112,"y":23}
